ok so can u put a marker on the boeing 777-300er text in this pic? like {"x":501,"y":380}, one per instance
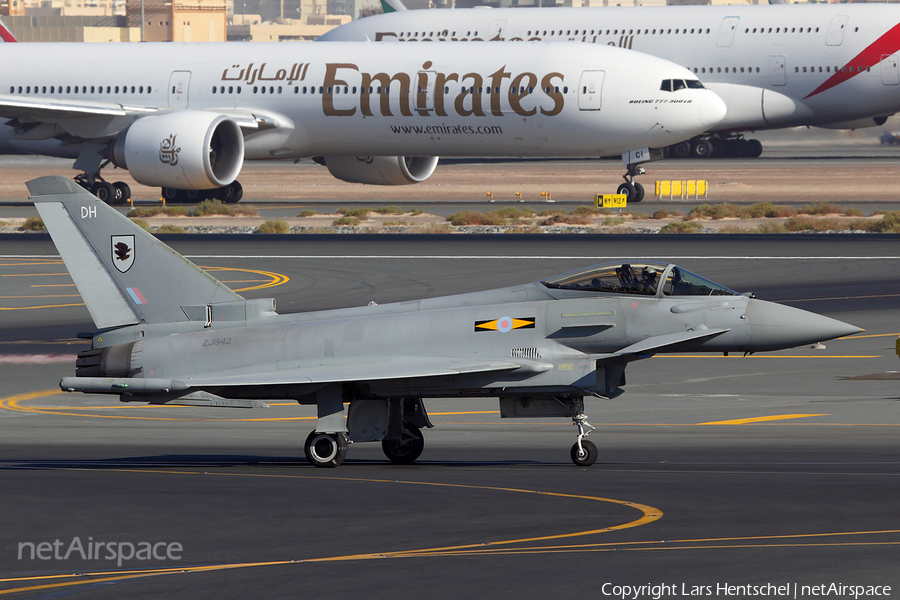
{"x":186,"y":116}
{"x":823,"y":65}
{"x":169,"y":333}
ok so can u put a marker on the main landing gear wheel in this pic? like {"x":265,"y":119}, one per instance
{"x":326,"y":450}
{"x":586,"y":455}
{"x":105,"y":192}
{"x":633,"y":191}
{"x":123,"y":192}
{"x":407,"y":449}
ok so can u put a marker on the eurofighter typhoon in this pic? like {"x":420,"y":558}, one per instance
{"x":169,"y":333}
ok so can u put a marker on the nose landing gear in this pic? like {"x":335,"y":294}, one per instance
{"x":584,"y":453}
{"x":632,"y":189}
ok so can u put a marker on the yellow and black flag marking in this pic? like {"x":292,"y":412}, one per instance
{"x":504,"y":324}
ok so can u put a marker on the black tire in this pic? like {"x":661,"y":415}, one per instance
{"x":407,"y":449}
{"x":587,"y":456}
{"x":170,"y":194}
{"x":104,"y":192}
{"x":123,"y":192}
{"x":194,"y":196}
{"x":681,"y":150}
{"x":628,"y":189}
{"x":638,"y":192}
{"x":238,"y":192}
{"x":754,"y":148}
{"x":702,"y":149}
{"x":740,"y":148}
{"x":225,"y":194}
{"x":325,"y":450}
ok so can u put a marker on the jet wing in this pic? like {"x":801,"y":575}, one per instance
{"x":49,"y":110}
{"x":336,"y":371}
{"x":25,"y":109}
{"x":396,"y":367}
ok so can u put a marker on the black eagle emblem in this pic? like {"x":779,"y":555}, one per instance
{"x":122,"y":250}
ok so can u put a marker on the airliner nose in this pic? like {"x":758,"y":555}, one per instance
{"x":774,"y":326}
{"x":712,"y":109}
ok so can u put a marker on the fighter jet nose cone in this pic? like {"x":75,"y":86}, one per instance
{"x":712,"y":110}
{"x":774,"y":326}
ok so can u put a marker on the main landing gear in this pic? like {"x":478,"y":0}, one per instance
{"x":229,"y":194}
{"x":326,"y":449}
{"x":111,"y":193}
{"x":715,"y":146}
{"x":632,"y":189}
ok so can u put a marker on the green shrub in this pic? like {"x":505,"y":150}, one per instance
{"x":590,"y":211}
{"x":360,"y":213}
{"x":274,"y":226}
{"x":665,"y":214}
{"x":389,"y":210}
{"x":560,"y":219}
{"x":473,"y":217}
{"x":767,"y":210}
{"x":33,"y":224}
{"x":801,"y":223}
{"x":821,"y":208}
{"x":853,"y":212}
{"x":682,"y":227}
{"x":144,"y":212}
{"x":141,"y":223}
{"x":416,"y":212}
{"x":346,"y":222}
{"x":308,"y":213}
{"x":209,"y":208}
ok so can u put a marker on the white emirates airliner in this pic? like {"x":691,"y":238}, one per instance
{"x":824,"y":65}
{"x":186,"y":116}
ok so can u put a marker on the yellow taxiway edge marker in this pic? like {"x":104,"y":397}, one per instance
{"x":761,"y":419}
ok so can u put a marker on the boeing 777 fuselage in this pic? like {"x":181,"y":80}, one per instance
{"x":825,"y":65}
{"x":185,"y":116}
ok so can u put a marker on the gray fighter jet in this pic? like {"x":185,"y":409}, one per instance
{"x":169,"y":333}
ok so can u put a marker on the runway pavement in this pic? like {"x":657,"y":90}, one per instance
{"x":778,"y":468}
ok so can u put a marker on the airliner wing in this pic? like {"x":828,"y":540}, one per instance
{"x":29,"y":109}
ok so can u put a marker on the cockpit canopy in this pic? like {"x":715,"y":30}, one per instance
{"x":638,"y":278}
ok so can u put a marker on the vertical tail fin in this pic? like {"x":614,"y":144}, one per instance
{"x":389,"y":6}
{"x":5,"y":34}
{"x":124,"y":274}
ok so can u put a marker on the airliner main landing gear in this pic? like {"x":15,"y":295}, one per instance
{"x":111,"y":193}
{"x":584,"y":453}
{"x":632,"y":189}
{"x":229,"y":194}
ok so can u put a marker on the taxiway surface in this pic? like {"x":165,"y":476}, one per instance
{"x":779,"y":468}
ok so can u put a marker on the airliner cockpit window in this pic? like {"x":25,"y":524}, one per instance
{"x":678,"y":84}
{"x":666,"y":85}
{"x":612,"y":278}
{"x":694,"y":84}
{"x":684,"y":283}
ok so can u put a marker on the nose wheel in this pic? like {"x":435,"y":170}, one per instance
{"x":633,"y":190}
{"x":584,"y":453}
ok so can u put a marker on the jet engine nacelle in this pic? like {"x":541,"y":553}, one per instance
{"x":758,"y":108}
{"x":189,"y":149}
{"x":857,"y":124}
{"x":382,"y":170}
